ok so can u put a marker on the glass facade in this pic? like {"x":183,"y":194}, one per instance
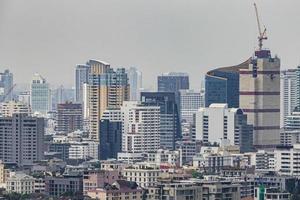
{"x":222,"y":87}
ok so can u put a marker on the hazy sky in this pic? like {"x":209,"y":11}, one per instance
{"x":51,"y":37}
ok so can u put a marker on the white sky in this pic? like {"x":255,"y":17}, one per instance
{"x":193,"y":36}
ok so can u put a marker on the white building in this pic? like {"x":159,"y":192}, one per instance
{"x":262,"y":160}
{"x":145,"y":175}
{"x":20,"y":183}
{"x":289,"y":92}
{"x":219,"y":122}
{"x":287,"y":160}
{"x":190,"y":102}
{"x":7,"y":109}
{"x":141,"y":127}
{"x":24,"y":97}
{"x":135,"y":82}
{"x":83,"y":150}
{"x":164,"y":157}
{"x":40,"y":97}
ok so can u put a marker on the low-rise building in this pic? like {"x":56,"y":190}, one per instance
{"x":93,"y":179}
{"x":20,"y":183}
{"x":56,"y":186}
{"x":121,"y":190}
{"x":145,"y":175}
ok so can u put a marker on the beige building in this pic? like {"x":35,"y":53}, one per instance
{"x":20,"y":183}
{"x":7,"y":109}
{"x":260,"y":97}
{"x":107,"y":88}
{"x":121,"y":190}
{"x":145,"y":175}
{"x":175,"y":190}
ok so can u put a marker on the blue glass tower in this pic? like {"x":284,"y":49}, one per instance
{"x":222,"y":85}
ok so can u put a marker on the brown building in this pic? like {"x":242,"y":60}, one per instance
{"x":107,"y":88}
{"x":69,"y":117}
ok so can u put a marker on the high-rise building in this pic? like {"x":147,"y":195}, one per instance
{"x":21,"y":140}
{"x":69,"y":117}
{"x":173,"y":82}
{"x":135,"y":82}
{"x":81,"y":77}
{"x":260,"y":97}
{"x":6,"y":86}
{"x":7,"y":109}
{"x":40,"y":96}
{"x":170,"y":129}
{"x":110,"y":134}
{"x":107,"y":88}
{"x":141,"y":127}
{"x":190,"y":102}
{"x":222,"y":85}
{"x":289,"y":92}
{"x":218,"y":122}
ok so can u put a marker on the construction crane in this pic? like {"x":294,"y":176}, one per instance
{"x":262,"y":34}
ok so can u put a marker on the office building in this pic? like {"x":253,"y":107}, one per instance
{"x":56,"y":186}
{"x":190,"y":102}
{"x":222,"y":85}
{"x":218,"y":122}
{"x":107,"y":88}
{"x":290,"y":134}
{"x":287,"y":160}
{"x":170,"y":130}
{"x":110,"y":134}
{"x":81,"y":77}
{"x":141,"y":127}
{"x":135,"y":82}
{"x":69,"y":117}
{"x":173,"y":82}
{"x":21,"y":139}
{"x":260,"y":98}
{"x":6,"y":86}
{"x":289,"y":92}
{"x":85,"y":150}
{"x":40,"y":95}
{"x":7,"y":109}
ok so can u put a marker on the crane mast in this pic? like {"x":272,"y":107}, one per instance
{"x":262,"y":34}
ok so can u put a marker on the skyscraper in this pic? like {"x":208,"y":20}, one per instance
{"x":6,"y":86}
{"x":190,"y":102}
{"x":222,"y":85}
{"x":260,"y":97}
{"x":40,"y":95}
{"x":173,"y":82}
{"x":81,"y":77}
{"x":135,"y":82}
{"x":141,"y":127}
{"x":170,"y":129}
{"x":21,"y":139}
{"x":110,"y":134}
{"x":69,"y":117}
{"x":107,"y":88}
{"x":289,"y":92}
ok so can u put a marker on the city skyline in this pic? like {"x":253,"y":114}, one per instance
{"x":152,"y":36}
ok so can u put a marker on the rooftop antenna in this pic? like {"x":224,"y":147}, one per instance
{"x":262,"y":35}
